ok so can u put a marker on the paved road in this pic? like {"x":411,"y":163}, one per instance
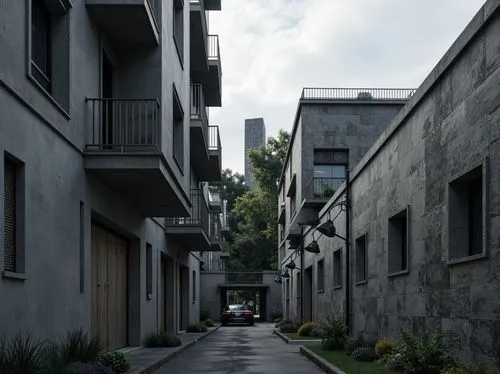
{"x":235,"y":349}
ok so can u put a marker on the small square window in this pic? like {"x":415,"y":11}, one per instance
{"x":337,"y":268}
{"x":320,"y":276}
{"x":361,"y":259}
{"x":398,"y":242}
{"x":466,"y":215}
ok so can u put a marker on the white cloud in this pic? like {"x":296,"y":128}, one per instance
{"x":272,"y":49}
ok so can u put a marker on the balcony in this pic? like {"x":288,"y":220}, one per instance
{"x":215,"y":231}
{"x":198,"y":38}
{"x":213,"y":94}
{"x":192,"y":232}
{"x":127,"y":24}
{"x":213,"y":172}
{"x":199,"y":130}
{"x":319,"y":190}
{"x":123,"y":150}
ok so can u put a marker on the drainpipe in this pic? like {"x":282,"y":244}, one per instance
{"x":347,"y":255}
{"x":301,"y":275}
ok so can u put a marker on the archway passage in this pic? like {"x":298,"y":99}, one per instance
{"x":254,"y":296}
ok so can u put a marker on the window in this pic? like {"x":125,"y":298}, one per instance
{"x":361,"y":259}
{"x":13,"y":218}
{"x":329,"y":171}
{"x":178,"y":131}
{"x":320,"y":276}
{"x":337,"y":268}
{"x":194,"y":286}
{"x":466,"y":215}
{"x":178,"y":24}
{"x":149,"y":271}
{"x":9,"y":223}
{"x":398,"y":242}
{"x":41,"y":45}
{"x":48,"y":57}
{"x":293,"y":206}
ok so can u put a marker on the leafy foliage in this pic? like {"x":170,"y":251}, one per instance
{"x":209,"y":323}
{"x":383,"y":347}
{"x":421,"y":355}
{"x":21,"y":354}
{"x":287,"y":326}
{"x":204,"y":315}
{"x":465,"y":368}
{"x":164,"y":339}
{"x":306,"y":328}
{"x":116,"y":361}
{"x":78,"y":346}
{"x":364,"y":354}
{"x":334,"y":333}
{"x":353,"y":343}
{"x":197,"y":327}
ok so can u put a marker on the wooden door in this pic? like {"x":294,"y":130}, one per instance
{"x":109,"y":288}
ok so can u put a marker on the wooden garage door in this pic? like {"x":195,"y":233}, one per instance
{"x":109,"y":287}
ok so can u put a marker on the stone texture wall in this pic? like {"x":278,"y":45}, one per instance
{"x":450,"y":126}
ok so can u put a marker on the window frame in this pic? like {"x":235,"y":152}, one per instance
{"x":358,"y":240}
{"x":178,"y":9}
{"x":320,"y":264}
{"x":337,"y":259}
{"x":453,"y":189}
{"x":390,"y":244}
{"x":178,"y":131}
{"x":149,"y":271}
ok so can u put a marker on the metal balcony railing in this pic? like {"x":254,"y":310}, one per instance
{"x":199,"y":212}
{"x":215,"y":226}
{"x":213,"y":47}
{"x":198,"y":108}
{"x":357,"y":93}
{"x":244,"y":278}
{"x":123,"y":124}
{"x":154,"y":6}
{"x":319,"y":188}
{"x":214,"y":138}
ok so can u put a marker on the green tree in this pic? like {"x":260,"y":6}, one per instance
{"x":255,"y":236}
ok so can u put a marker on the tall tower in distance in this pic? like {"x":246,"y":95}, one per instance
{"x":255,"y":136}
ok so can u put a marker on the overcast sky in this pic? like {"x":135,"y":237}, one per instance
{"x":271,"y":49}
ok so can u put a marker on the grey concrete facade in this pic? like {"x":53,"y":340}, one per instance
{"x":255,"y":137}
{"x":58,"y":201}
{"x":446,"y":135}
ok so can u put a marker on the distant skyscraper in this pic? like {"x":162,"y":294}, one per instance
{"x":255,"y":136}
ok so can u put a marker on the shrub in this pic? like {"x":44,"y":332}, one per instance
{"x":78,"y":346}
{"x":383,"y":347}
{"x":306,"y":328}
{"x":421,"y":354}
{"x":197,"y":327}
{"x":84,"y":368}
{"x":333,"y":335}
{"x":116,"y":361}
{"x":209,"y":323}
{"x":364,"y":354}
{"x":288,"y":326}
{"x":21,"y":353}
{"x":316,"y":332}
{"x":164,"y":339}
{"x":395,"y":362}
{"x":204,"y":315}
{"x":464,"y":368}
{"x":353,"y":343}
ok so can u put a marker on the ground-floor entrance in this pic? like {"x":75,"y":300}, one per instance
{"x":255,"y":297}
{"x":109,"y":287}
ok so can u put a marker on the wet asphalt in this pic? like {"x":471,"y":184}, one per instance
{"x":241,"y":349}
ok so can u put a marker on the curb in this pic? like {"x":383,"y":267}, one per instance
{"x":324,"y":365}
{"x":156,"y":364}
{"x":295,"y":341}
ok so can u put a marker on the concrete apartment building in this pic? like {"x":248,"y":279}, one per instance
{"x":105,"y":156}
{"x":422,"y":217}
{"x":255,"y":137}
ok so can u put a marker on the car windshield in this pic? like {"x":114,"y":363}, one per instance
{"x":236,"y":307}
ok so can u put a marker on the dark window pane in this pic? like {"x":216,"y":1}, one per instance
{"x":475,"y":217}
{"x":40,"y":43}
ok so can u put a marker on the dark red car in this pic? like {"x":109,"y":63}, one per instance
{"x":237,"y":313}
